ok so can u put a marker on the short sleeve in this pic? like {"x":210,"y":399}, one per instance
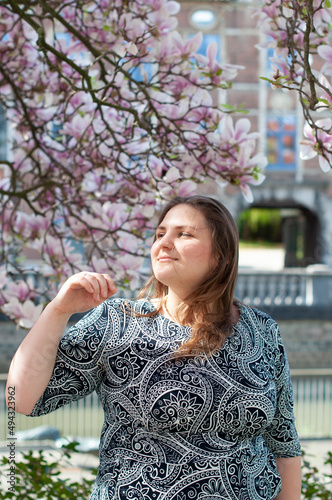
{"x":281,"y":436}
{"x":78,"y":368}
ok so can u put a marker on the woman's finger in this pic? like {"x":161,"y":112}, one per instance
{"x":111,"y":287}
{"x":100,"y":285}
{"x":94,"y":285}
{"x":86,"y":282}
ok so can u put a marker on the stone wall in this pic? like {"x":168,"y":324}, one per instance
{"x":308,"y":343}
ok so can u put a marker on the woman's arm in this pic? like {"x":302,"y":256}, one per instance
{"x":290,"y":472}
{"x":33,"y":363}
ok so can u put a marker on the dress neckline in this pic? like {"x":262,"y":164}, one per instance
{"x":239,"y":306}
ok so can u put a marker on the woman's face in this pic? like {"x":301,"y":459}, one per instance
{"x":182,"y":256}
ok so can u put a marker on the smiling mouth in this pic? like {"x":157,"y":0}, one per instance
{"x":165,"y":259}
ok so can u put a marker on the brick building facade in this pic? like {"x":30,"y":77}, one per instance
{"x":300,"y":189}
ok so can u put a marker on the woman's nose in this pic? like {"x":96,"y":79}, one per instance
{"x":167,"y":242}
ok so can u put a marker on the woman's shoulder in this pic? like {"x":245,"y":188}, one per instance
{"x":253,"y":313}
{"x":258,"y":322}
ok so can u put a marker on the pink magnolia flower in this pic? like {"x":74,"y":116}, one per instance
{"x":173,"y":174}
{"x":128,"y":242}
{"x":189,"y":47}
{"x":128,"y":268}
{"x":37,"y":225}
{"x":322,"y":144}
{"x":186,"y":188}
{"x":215,"y":71}
{"x":77,"y":127}
{"x":246,"y":181}
{"x":21,"y":290}
{"x":322,"y":17}
{"x":92,"y":181}
{"x":237,"y":133}
{"x":327,"y":92}
{"x":58,"y":251}
{"x":99,"y":265}
{"x":26,"y":313}
{"x":325,"y":52}
{"x":211,"y":54}
{"x":114,"y":214}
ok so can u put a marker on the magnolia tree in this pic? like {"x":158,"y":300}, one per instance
{"x":299,"y":32}
{"x":110,"y":112}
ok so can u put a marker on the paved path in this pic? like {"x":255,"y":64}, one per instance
{"x":316,"y":453}
{"x":262,"y":258}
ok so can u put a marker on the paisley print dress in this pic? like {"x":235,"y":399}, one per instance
{"x":178,"y":429}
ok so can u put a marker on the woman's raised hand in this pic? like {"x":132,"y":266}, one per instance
{"x":82,"y":292}
{"x":32,"y":365}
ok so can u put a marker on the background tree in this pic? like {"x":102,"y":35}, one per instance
{"x":299,"y":32}
{"x":110,"y":112}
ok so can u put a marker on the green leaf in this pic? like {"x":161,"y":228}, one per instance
{"x":327,"y":4}
{"x":266,"y":79}
{"x":325,"y":101}
{"x":71,"y":446}
{"x":38,"y":477}
{"x":234,"y":109}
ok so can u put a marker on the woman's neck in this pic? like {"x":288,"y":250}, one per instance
{"x":171,"y":303}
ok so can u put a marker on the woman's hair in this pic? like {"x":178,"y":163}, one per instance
{"x":209,"y":309}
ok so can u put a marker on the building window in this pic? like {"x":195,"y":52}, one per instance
{"x":281,"y":142}
{"x":204,"y":19}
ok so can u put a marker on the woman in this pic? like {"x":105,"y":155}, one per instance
{"x":195,"y":386}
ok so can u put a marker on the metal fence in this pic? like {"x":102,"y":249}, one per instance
{"x":312,"y":406}
{"x":313,"y":402}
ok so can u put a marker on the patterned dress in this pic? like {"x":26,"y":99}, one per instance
{"x":190,"y":428}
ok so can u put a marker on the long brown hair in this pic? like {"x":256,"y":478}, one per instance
{"x":209,"y":309}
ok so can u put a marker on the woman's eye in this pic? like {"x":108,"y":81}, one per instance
{"x":182,"y":234}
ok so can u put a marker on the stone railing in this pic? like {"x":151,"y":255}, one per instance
{"x":310,"y":287}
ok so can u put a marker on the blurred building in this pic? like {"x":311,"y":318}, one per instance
{"x":300,"y":189}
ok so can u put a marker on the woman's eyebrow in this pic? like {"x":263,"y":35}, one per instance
{"x":186,"y":226}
